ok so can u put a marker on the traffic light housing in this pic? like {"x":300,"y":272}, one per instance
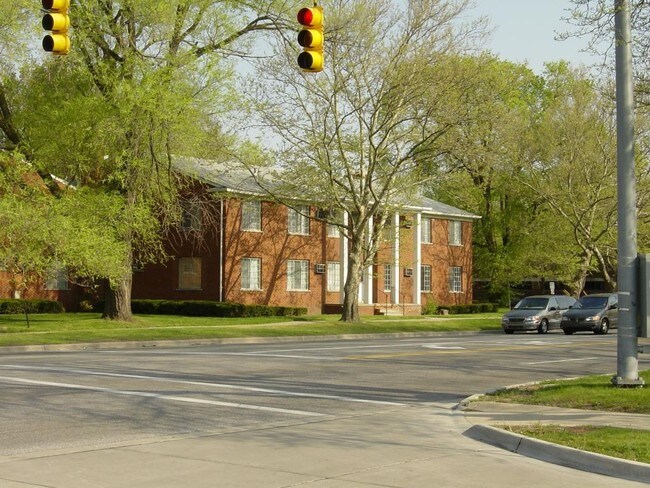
{"x":311,"y":38}
{"x":57,"y":21}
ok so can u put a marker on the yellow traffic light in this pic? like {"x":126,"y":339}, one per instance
{"x":311,"y":38}
{"x":57,"y":21}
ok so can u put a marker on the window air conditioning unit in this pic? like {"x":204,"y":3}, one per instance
{"x":319,"y":268}
{"x":408,"y":272}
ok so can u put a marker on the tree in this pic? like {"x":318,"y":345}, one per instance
{"x":144,"y":80}
{"x":575,"y":171}
{"x":39,"y":232}
{"x":499,"y":104}
{"x":355,"y":137}
{"x":595,"y":19}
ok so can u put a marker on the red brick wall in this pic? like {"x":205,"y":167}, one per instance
{"x":36,"y":290}
{"x":275,"y":246}
{"x":438,"y":254}
{"x":441,"y":256}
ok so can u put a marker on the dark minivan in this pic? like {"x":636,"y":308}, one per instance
{"x":596,"y":313}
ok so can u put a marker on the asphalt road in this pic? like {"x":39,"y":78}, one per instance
{"x":88,"y":400}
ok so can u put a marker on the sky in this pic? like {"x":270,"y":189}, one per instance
{"x":525,"y":31}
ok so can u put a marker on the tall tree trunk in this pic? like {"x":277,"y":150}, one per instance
{"x":351,"y":288}
{"x":118,"y":300}
{"x":117,"y":305}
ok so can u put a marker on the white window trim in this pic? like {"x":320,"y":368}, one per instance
{"x":304,"y":273}
{"x":455,"y":272}
{"x":388,"y":277}
{"x":256,"y":286}
{"x":333,"y":276}
{"x":455,"y":233}
{"x":426,"y":230}
{"x":247,"y":221}
{"x":300,"y":218}
{"x":424,"y":288}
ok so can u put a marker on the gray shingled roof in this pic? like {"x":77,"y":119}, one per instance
{"x":224,"y":178}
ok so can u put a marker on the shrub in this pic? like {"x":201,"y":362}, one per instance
{"x":205,"y":308}
{"x":431,"y":308}
{"x":472,"y":308}
{"x":14,"y":306}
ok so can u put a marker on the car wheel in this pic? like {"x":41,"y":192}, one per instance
{"x":509,"y":331}
{"x":604,"y":327}
{"x":568,"y":331}
{"x":542,"y":328}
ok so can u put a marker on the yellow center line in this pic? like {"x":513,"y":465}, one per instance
{"x":366,"y":357}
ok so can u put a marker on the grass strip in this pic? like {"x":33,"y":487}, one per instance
{"x":631,"y":444}
{"x":589,"y":393}
{"x":46,"y":329}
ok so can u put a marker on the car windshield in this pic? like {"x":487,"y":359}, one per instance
{"x":531,"y":303}
{"x":591,"y":302}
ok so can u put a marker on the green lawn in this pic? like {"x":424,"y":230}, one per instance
{"x":591,"y":393}
{"x":613,"y":441}
{"x":90,"y":327}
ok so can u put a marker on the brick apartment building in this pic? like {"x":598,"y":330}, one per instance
{"x":256,"y":251}
{"x":235,"y":246}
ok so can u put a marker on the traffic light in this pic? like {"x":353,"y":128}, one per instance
{"x":311,"y":38}
{"x":57,"y":21}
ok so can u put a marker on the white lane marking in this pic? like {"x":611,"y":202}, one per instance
{"x":438,"y":346}
{"x":202,"y":383}
{"x":271,"y":355}
{"x":158,"y":396}
{"x":561,"y":361}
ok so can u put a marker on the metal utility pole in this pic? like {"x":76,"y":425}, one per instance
{"x":627,"y":373}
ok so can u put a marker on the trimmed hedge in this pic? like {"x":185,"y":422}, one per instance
{"x":472,"y":308}
{"x":204,"y":308}
{"x":15,"y":306}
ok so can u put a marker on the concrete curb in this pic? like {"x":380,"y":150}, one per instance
{"x":562,"y":455}
{"x":89,"y":346}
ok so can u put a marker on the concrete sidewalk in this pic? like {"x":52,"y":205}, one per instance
{"x":491,"y":420}
{"x":395,"y":447}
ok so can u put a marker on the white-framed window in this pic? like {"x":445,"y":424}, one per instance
{"x":57,"y":278}
{"x":333,"y":276}
{"x":298,"y":220}
{"x":189,"y":273}
{"x":425,"y":230}
{"x":333,"y":230}
{"x":191,"y":215}
{"x":251,"y":274}
{"x":455,"y":233}
{"x":388,"y":277}
{"x":456,"y":279}
{"x":388,"y":232}
{"x":251,"y":215}
{"x":298,"y":275}
{"x":425,"y":278}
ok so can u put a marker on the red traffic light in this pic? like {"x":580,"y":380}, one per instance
{"x":311,"y":38}
{"x":309,"y":16}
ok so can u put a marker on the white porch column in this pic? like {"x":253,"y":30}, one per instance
{"x":367,"y":274}
{"x":396,"y":264}
{"x":417,"y":255}
{"x":343,"y":243}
